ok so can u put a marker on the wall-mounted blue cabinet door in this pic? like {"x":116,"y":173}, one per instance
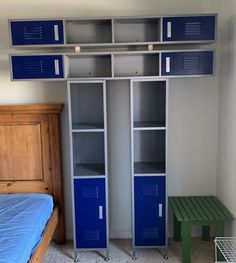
{"x":90,"y":213}
{"x":37,"y":32}
{"x":189,"y":28}
{"x":37,"y":67}
{"x":187,"y":63}
{"x":150,"y":210}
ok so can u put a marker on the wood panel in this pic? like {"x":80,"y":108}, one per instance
{"x":30,"y":157}
{"x":20,"y":152}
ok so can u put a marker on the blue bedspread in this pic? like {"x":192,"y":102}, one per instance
{"x":22,"y":220}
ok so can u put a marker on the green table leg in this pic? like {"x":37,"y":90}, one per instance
{"x":206,"y":233}
{"x":186,"y":243}
{"x":219,"y":229}
{"x":177,"y":229}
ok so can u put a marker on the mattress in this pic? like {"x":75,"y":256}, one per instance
{"x":22,"y":220}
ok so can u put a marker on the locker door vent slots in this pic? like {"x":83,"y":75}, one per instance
{"x":91,"y":235}
{"x":192,"y":28}
{"x":151,"y":190}
{"x":90,"y":192}
{"x":191,"y":63}
{"x":150,"y":232}
{"x":33,"y":33}
{"x":34,"y":66}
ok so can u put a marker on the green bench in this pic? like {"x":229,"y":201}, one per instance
{"x":197,"y":210}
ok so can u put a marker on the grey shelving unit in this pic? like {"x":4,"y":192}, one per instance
{"x":113,"y":57}
{"x":89,"y":171}
{"x":148,"y":107}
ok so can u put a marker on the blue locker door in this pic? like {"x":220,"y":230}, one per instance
{"x":90,"y":213}
{"x":190,"y":28}
{"x":37,"y":67}
{"x":187,"y":63}
{"x":150,"y":210}
{"x":37,"y":32}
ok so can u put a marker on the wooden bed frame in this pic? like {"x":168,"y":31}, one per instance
{"x":30,"y":160}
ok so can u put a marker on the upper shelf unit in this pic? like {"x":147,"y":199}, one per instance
{"x":113,"y":31}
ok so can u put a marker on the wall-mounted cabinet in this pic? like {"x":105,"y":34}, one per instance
{"x":189,"y":28}
{"x":113,"y":65}
{"x":36,"y":32}
{"x":113,"y":31}
{"x":37,"y":67}
{"x":183,"y":63}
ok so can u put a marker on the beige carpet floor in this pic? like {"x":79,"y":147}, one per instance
{"x":121,"y":250}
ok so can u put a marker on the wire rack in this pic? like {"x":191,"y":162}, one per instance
{"x":227,"y":246}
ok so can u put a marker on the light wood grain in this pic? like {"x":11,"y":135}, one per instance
{"x":46,"y":238}
{"x":30,"y":160}
{"x":20,"y":152}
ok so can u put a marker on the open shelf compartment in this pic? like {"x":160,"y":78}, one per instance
{"x":88,"y":66}
{"x":86,"y":31}
{"x":149,"y":104}
{"x":149,"y":152}
{"x":87,"y":105}
{"x":136,"y":30}
{"x":136,"y":65}
{"x":88,"y":153}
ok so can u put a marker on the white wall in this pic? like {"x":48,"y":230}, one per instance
{"x":193,"y":106}
{"x":226,"y":178}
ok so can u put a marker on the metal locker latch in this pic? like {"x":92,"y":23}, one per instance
{"x":56,"y":33}
{"x":100,"y":212}
{"x":160,"y":214}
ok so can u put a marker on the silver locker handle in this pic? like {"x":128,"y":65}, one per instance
{"x":160,"y":213}
{"x":100,"y":212}
{"x":167,"y":64}
{"x":56,"y":66}
{"x":169,"y":30}
{"x":56,"y":33}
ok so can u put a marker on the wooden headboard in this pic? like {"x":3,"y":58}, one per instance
{"x":30,"y":152}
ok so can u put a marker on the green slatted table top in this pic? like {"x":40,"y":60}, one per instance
{"x":199,"y":208}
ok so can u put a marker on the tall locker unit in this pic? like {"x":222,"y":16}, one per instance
{"x":147,"y":68}
{"x":88,"y":144}
{"x":148,"y":108}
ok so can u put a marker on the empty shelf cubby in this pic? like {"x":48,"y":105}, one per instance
{"x":84,"y":31}
{"x":133,"y":30}
{"x":88,"y":153}
{"x":88,"y":66}
{"x":136,"y":65}
{"x":149,"y":104}
{"x":149,"y":152}
{"x":87,"y":105}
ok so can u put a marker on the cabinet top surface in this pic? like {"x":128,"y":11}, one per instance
{"x":31,"y":108}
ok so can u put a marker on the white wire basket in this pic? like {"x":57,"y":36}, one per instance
{"x":227,"y":246}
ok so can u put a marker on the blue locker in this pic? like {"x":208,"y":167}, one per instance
{"x":37,"y":67}
{"x":37,"y":32}
{"x":187,"y":63}
{"x":150,"y":210}
{"x":189,"y":28}
{"x":90,"y":213}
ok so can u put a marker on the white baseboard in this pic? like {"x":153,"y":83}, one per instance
{"x":120,"y":235}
